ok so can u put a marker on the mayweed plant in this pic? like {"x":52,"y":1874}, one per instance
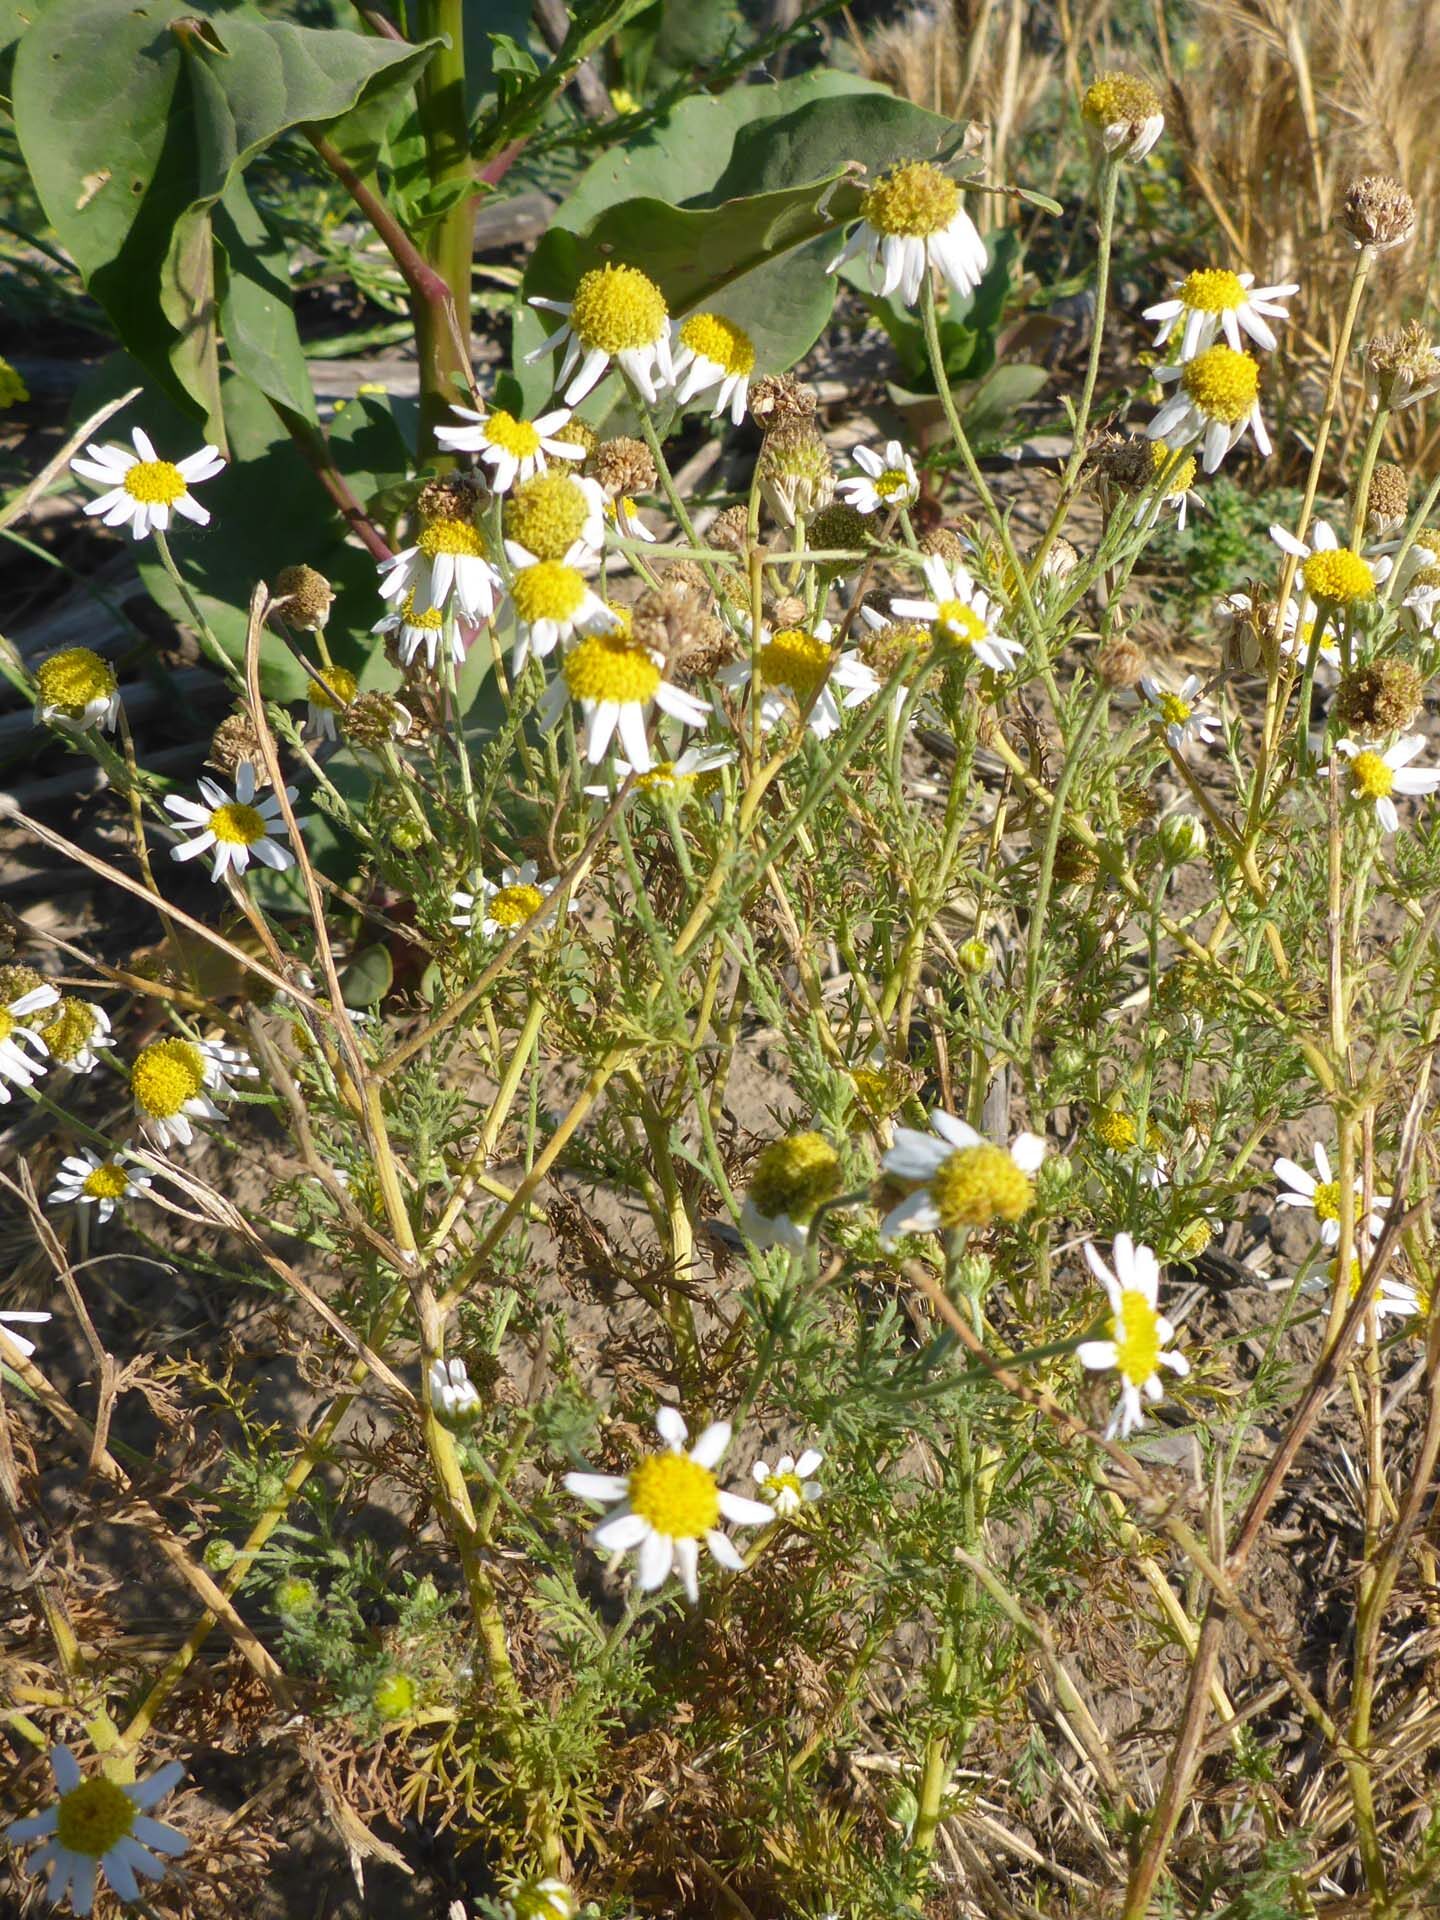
{"x":734,"y":1218}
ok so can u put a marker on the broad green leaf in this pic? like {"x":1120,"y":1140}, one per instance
{"x":368,"y":977}
{"x":255,"y":309}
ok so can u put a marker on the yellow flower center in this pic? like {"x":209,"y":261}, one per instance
{"x":662,"y":774}
{"x":778,"y":1485}
{"x":979,"y":1184}
{"x":1213,"y":290}
{"x":1137,"y":1338}
{"x":71,"y":1029}
{"x":236,"y":825}
{"x":795,"y":660}
{"x":107,"y":1182}
{"x":339,"y":689}
{"x":12,"y":388}
{"x":676,"y":1495}
{"x":792,"y":1177}
{"x":1119,"y":99}
{"x":446,"y":535}
{"x":166,"y":1074}
{"x":1173,"y":710}
{"x":957,"y":625}
{"x":1161,"y":457}
{"x":1339,"y":574}
{"x":7,"y":1023}
{"x":1115,"y":1130}
{"x":617,"y":309}
{"x":891,"y":482}
{"x":517,"y":437}
{"x":1327,"y":1200}
{"x":547,"y":515}
{"x":1195,"y":1239}
{"x":1223,"y":384}
{"x":154,"y":483}
{"x":607,"y":666}
{"x":547,"y":591}
{"x":93,"y":1817}
{"x":69,"y":681}
{"x":513,"y":906}
{"x":913,"y":200}
{"x":884,"y":648}
{"x":1372,"y":779}
{"x":429,"y":619}
{"x":714,"y":338}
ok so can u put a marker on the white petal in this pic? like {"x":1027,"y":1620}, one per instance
{"x":710,"y":1447}
{"x":670,"y":1425}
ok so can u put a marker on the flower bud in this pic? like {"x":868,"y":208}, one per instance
{"x":1182,"y":838}
{"x":394,"y":1696}
{"x":974,"y":956}
{"x":219,"y":1555}
{"x":295,"y":1597}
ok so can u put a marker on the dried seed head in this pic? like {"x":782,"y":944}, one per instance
{"x":1061,"y":561}
{"x":1383,"y":697}
{"x":945,"y":542}
{"x":454,"y":497}
{"x":840,"y":527}
{"x":1388,"y":505}
{"x":16,"y":981}
{"x":1126,"y":461}
{"x":796,"y":472}
{"x":683,"y":573}
{"x":1402,"y":367}
{"x":1120,"y":664}
{"x":373,"y":718}
{"x":778,"y":398}
{"x":788,"y":611}
{"x":624,"y":467}
{"x":235,"y":739}
{"x":1245,"y":620}
{"x":1075,"y":863}
{"x":668,"y":619}
{"x":1378,"y":212}
{"x":305,"y":597}
{"x":729,"y":530}
{"x":1136,"y":806}
{"x":883,"y":649}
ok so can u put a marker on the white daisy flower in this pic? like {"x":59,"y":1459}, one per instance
{"x":22,"y":1051}
{"x":622,"y":520}
{"x":556,"y":516}
{"x":710,"y":351}
{"x":98,"y":1826}
{"x":669,"y":1503}
{"x":238,"y":829}
{"x":615,"y":684}
{"x":1124,"y":113}
{"x":516,"y":899}
{"x":512,"y":448}
{"x":961,"y":1178}
{"x":1183,"y":719}
{"x":789,"y":1486}
{"x":10,"y":1318}
{"x":1333,"y":575}
{"x":141,"y":488}
{"x":885,"y":479}
{"x":550,"y":603}
{"x":447,"y":568}
{"x":617,"y":314}
{"x":791,"y":1179}
{"x":328,"y":696}
{"x":1394,"y":1299}
{"x":422,"y":629}
{"x":1319,"y":1193}
{"x":668,"y":776}
{"x":1216,"y":397}
{"x":1139,"y":1335}
{"x":1177,"y":491}
{"x":1211,"y":301}
{"x":961,"y":615}
{"x":913,"y":220}
{"x":1375,"y":776}
{"x":539,"y":1899}
{"x":84,"y":1179}
{"x":172,"y":1081}
{"x":795,"y":668}
{"x":76,"y":1034}
{"x":452,"y":1393}
{"x":76,"y":688}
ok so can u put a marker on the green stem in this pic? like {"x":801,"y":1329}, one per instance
{"x":442,"y":332}
{"x":1360,"y":505}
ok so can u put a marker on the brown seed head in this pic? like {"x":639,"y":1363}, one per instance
{"x":1378,"y":212}
{"x":306,"y":597}
{"x":945,"y":542}
{"x":453,"y":497}
{"x":1403,"y":366}
{"x":776,"y":398}
{"x":624,"y":467}
{"x":1120,"y":664}
{"x":1389,"y":503}
{"x":235,"y":739}
{"x":373,"y":718}
{"x":839,"y":527}
{"x":1126,"y":461}
{"x":1383,"y":697}
{"x":729,"y":529}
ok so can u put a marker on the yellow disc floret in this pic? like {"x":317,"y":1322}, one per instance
{"x":1182,"y":474}
{"x":513,"y":906}
{"x":1119,"y":99}
{"x":786,"y":1487}
{"x":712,"y":337}
{"x":166,"y":1075}
{"x":1115,"y":1129}
{"x":547,"y":515}
{"x":236,"y":825}
{"x":794,"y":1176}
{"x":1137,"y":1338}
{"x":1223,"y":384}
{"x":676,"y":1495}
{"x":607,"y":666}
{"x":547,"y":591}
{"x":445,"y":534}
{"x":154,"y":483}
{"x":71,"y":681}
{"x":428,"y":619}
{"x":617,"y":310}
{"x":976,"y":1185}
{"x":517,"y":437}
{"x":106,"y":1182}
{"x":1372,"y":779}
{"x":1173,"y":710}
{"x":1212,"y":290}
{"x":7,"y":1023}
{"x":70,"y":1030}
{"x":335,"y":692}
{"x":958,"y":625}
{"x":1338,"y":574}
{"x":796,"y":660}
{"x":912,"y":200}
{"x":94,"y":1817}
